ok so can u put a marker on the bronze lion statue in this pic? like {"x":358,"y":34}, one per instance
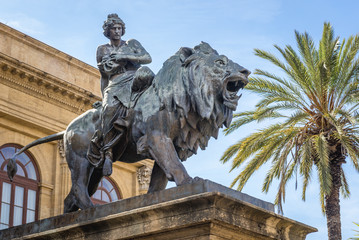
{"x":191,"y":97}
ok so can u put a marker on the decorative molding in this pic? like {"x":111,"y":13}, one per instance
{"x":37,"y":83}
{"x":46,"y":186}
{"x":144,"y":177}
{"x":60,"y":145}
{"x":47,"y":49}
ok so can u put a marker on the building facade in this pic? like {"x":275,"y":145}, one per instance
{"x":42,"y":91}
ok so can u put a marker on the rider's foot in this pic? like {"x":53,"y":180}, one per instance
{"x":107,"y":166}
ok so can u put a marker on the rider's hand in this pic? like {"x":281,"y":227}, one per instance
{"x":119,"y":58}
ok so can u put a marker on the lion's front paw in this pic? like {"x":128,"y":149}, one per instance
{"x":190,"y":180}
{"x":187,"y":180}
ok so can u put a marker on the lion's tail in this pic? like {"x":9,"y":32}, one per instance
{"x":11,"y":165}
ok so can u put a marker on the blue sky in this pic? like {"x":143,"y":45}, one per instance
{"x":233,"y":28}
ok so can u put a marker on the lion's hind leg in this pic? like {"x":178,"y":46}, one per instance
{"x":81,"y":171}
{"x":70,"y":203}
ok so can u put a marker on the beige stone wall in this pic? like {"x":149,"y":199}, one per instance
{"x":48,"y":59}
{"x":42,"y":90}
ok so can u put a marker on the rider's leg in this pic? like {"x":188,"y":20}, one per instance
{"x":109,"y":133}
{"x":115,"y":121}
{"x":142,"y":79}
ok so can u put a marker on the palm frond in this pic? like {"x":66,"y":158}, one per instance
{"x":322,"y":154}
{"x":306,"y":164}
{"x":347,"y":68}
{"x":273,"y":59}
{"x":230,"y":152}
{"x":345,"y":186}
{"x":309,"y":53}
{"x":240,"y":120}
{"x":295,"y":118}
{"x":350,"y":144}
{"x":281,"y":148}
{"x":287,"y":174}
{"x":346,"y":116}
{"x":253,"y":143}
{"x":253,"y":165}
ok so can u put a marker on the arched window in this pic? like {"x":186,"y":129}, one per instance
{"x":106,"y":192}
{"x":19,"y":199}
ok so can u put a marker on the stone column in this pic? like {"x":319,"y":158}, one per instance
{"x":65,"y":175}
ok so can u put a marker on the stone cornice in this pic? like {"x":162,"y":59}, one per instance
{"x":47,"y":49}
{"x":45,"y":86}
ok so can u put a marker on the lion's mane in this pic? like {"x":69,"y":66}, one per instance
{"x":184,"y":90}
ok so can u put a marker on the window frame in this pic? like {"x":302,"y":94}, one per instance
{"x":20,"y":181}
{"x":106,"y":191}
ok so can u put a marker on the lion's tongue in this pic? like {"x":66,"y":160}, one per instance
{"x":228,"y":115}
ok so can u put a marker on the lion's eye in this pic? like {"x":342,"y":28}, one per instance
{"x":220,"y":62}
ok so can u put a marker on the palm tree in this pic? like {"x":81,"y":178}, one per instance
{"x":313,"y":113}
{"x":357,"y":235}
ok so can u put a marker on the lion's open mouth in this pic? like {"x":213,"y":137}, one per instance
{"x":233,"y":83}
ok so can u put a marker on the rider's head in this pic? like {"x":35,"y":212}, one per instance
{"x":111,"y":20}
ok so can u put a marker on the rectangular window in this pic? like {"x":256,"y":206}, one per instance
{"x":31,"y":199}
{"x":18,"y":208}
{"x":30,"y":216}
{"x":5,"y":205}
{"x":31,"y":204}
{"x":6,"y":192}
{"x":5,"y":213}
{"x":17,"y":216}
{"x":19,"y":196}
{"x":3,"y":226}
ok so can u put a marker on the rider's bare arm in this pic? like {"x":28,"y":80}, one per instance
{"x":134,"y":52}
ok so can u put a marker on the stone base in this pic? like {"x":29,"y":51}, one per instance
{"x":202,"y":210}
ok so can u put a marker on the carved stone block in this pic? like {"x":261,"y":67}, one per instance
{"x":201,"y":210}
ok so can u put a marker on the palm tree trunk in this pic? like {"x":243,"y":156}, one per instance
{"x":332,"y":202}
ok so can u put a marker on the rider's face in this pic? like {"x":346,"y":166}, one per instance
{"x":116,"y":32}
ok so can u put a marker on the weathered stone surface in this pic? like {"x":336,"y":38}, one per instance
{"x":201,"y":210}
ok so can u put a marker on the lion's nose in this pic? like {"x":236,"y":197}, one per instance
{"x":245,"y":72}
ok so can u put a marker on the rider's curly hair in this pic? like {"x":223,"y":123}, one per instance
{"x":111,"y":20}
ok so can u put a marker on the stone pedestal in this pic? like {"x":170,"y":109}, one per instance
{"x":202,"y":210}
